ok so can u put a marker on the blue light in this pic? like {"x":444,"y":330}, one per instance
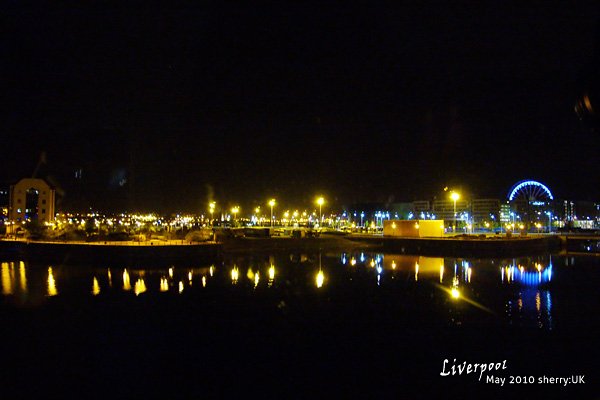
{"x":535,"y":278}
{"x":522,"y":184}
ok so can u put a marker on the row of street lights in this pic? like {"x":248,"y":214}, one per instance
{"x":320,"y":201}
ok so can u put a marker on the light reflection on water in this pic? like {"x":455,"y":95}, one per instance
{"x":518,"y":290}
{"x":12,"y":284}
{"x":7,"y":279}
{"x":95,"y":287}
{"x":52,"y":291}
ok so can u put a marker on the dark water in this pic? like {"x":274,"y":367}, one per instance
{"x":297,"y":325}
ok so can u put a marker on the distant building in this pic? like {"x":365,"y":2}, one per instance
{"x":579,"y":214}
{"x":505,"y":216}
{"x":485,"y":210}
{"x":31,"y":200}
{"x":444,"y":209}
{"x":568,"y":210}
{"x":421,"y":206}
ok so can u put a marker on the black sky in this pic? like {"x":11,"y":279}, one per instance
{"x":162,"y":107}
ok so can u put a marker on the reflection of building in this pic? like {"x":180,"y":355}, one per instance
{"x":427,"y":266}
{"x":31,"y":200}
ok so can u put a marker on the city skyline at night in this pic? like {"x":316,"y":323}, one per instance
{"x":166,"y":108}
{"x":528,"y":204}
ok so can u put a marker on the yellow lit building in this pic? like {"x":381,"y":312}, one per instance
{"x":31,"y":199}
{"x":413,"y":228}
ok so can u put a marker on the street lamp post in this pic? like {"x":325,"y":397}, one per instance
{"x":272,"y":204}
{"x":320,"y":202}
{"x":211,"y":208}
{"x":454,"y":196}
{"x":234,"y":211}
{"x":257,"y":214}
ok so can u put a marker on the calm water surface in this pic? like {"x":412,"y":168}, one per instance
{"x":513,"y":291}
{"x":398,"y":316}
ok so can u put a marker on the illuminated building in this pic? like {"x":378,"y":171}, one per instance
{"x":413,"y":228}
{"x":30,"y":200}
{"x":505,"y":216}
{"x":485,"y":210}
{"x":444,"y":209}
{"x":569,"y":211}
{"x":421,"y":206}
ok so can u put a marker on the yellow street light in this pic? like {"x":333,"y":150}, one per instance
{"x":272,"y":203}
{"x":320,"y":202}
{"x":454,"y":196}
{"x":211,"y":208}
{"x":257,"y":214}
{"x":234,"y":211}
{"x":286,"y":215}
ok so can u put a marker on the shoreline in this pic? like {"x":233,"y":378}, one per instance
{"x":469,"y":246}
{"x":81,"y":252}
{"x":180,"y":251}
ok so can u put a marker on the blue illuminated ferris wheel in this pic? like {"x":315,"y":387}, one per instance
{"x":532,"y":192}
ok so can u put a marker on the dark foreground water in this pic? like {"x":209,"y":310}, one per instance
{"x":303,"y":325}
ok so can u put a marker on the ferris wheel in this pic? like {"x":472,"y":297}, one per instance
{"x":530,"y":191}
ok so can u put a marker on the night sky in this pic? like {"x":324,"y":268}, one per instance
{"x":161,"y":109}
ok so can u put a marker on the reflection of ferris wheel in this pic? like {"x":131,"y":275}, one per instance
{"x":530,"y":191}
